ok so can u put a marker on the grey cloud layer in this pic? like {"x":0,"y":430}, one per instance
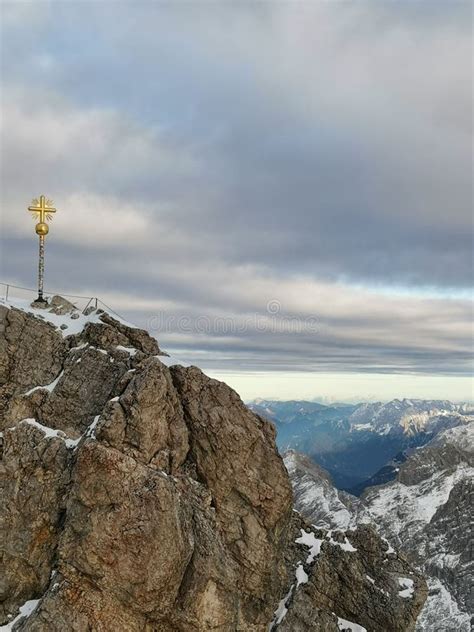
{"x":213,"y":157}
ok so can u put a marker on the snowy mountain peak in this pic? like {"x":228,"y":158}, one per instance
{"x":425,"y":513}
{"x":409,"y":416}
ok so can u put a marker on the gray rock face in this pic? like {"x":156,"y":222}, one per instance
{"x":147,"y":421}
{"x":62,"y":380}
{"x":128,"y":530}
{"x":31,"y":353}
{"x":75,"y":401}
{"x":60,"y":306}
{"x":110,"y":333}
{"x":239,"y":464}
{"x":137,"y":497}
{"x":34,"y":474}
{"x":354,"y":575}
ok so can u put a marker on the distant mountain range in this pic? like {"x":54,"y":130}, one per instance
{"x":360,"y":444}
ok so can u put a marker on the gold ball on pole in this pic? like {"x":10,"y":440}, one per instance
{"x":42,"y":228}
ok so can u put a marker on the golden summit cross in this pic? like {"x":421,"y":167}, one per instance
{"x":43,"y":210}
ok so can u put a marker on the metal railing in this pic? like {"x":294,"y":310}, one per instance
{"x":10,"y":290}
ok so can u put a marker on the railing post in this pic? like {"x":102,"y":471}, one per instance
{"x":6,"y":295}
{"x":87,"y":305}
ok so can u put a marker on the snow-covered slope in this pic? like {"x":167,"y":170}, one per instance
{"x":426,"y":513}
{"x":67,"y":319}
{"x":315,"y":495}
{"x":63,"y":315}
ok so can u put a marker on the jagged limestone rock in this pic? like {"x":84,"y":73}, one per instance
{"x":109,"y":333}
{"x":235,"y":456}
{"x":31,"y":353}
{"x":128,"y":529}
{"x":87,"y":382}
{"x":59,"y":305}
{"x":349,"y":575}
{"x":34,"y":474}
{"x":147,"y":421}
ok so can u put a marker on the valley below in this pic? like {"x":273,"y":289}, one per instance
{"x":361,"y":445}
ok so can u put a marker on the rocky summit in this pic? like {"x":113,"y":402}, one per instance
{"x":138,"y":495}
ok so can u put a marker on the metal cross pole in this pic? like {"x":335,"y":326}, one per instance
{"x":43,"y":211}
{"x":40,"y":298}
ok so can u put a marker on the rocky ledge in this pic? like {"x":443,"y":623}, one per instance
{"x":137,"y":496}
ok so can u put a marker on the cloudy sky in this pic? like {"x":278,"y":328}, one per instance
{"x":281,"y":192}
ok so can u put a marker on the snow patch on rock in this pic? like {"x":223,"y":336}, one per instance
{"x":47,"y":387}
{"x":348,"y":626}
{"x":406,"y":588}
{"x":309,"y":540}
{"x":51,"y":433}
{"x":25,"y":611}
